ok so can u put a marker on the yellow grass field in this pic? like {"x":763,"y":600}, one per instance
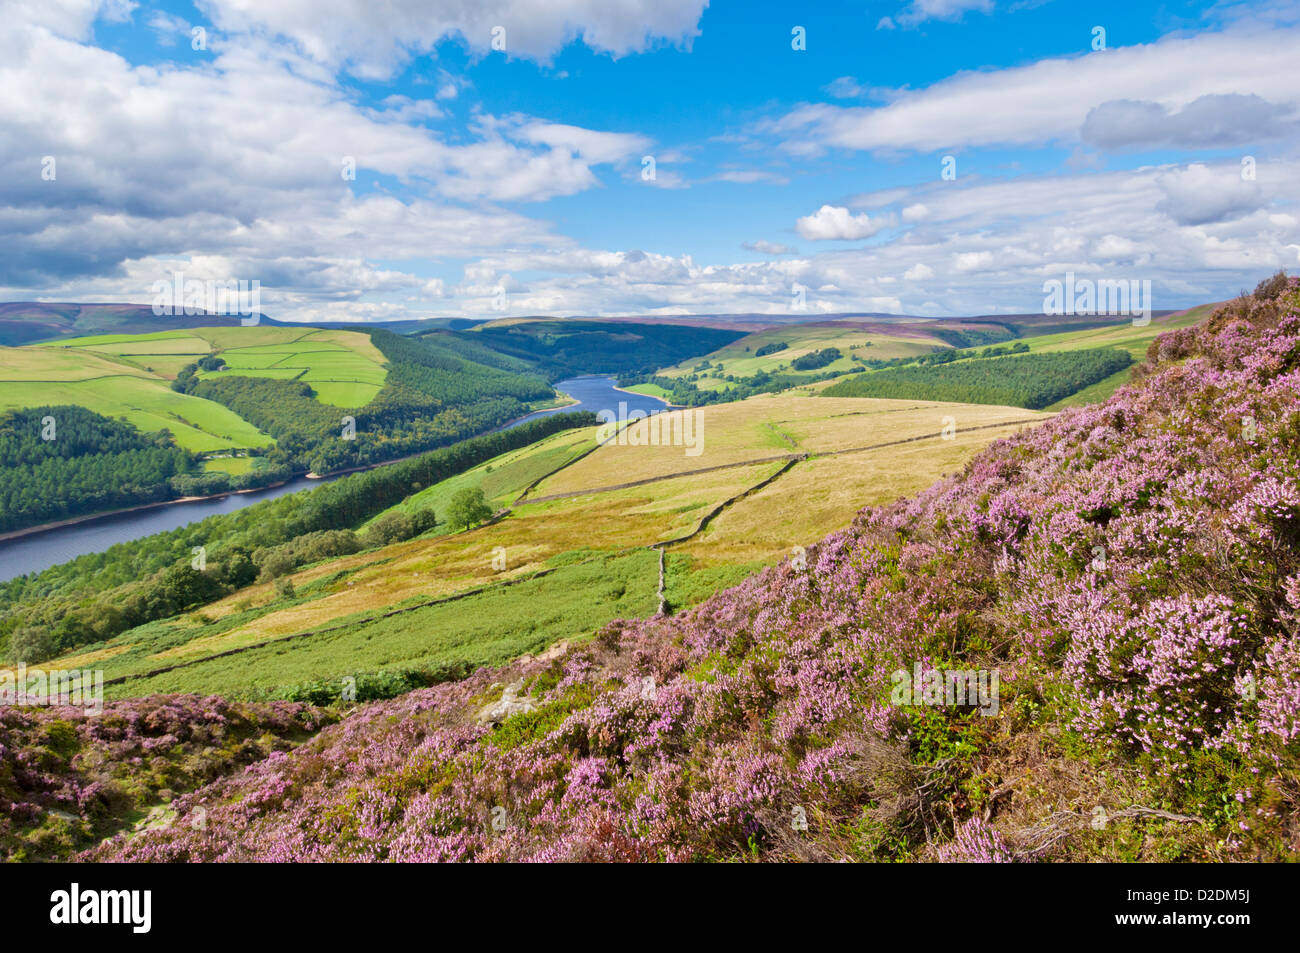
{"x":762,"y":427}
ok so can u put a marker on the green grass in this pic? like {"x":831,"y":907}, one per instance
{"x":127,"y":375}
{"x":651,"y":390}
{"x":235,"y":466}
{"x":503,"y":478}
{"x":1094,"y":393}
{"x":485,"y":629}
{"x":149,"y":405}
{"x":1123,"y":334}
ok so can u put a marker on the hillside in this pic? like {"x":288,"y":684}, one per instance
{"x":351,"y":579}
{"x":249,"y":406}
{"x":1145,"y":710}
{"x":22,"y":322}
{"x":565,"y":348}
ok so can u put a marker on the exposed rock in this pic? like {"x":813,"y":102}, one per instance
{"x":510,"y":704}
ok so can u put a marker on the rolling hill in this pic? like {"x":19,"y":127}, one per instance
{"x":1120,"y":581}
{"x":24,"y":322}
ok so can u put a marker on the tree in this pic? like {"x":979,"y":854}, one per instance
{"x":468,"y":508}
{"x":31,"y":645}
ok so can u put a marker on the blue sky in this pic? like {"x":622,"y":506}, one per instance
{"x":510,"y":181}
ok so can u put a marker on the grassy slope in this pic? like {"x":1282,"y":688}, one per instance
{"x":127,"y":375}
{"x":743,"y":533}
{"x":38,"y":376}
{"x":503,"y":478}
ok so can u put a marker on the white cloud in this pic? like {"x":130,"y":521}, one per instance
{"x":374,"y":39}
{"x":919,"y":11}
{"x":836,"y":222}
{"x":1050,"y":100}
{"x":749,"y":177}
{"x":1198,"y":194}
{"x":845,"y":87}
{"x":769,"y":248}
{"x":919,"y":272}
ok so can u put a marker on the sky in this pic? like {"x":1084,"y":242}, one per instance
{"x":371,"y":161}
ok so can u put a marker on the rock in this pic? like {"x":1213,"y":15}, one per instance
{"x":510,"y":704}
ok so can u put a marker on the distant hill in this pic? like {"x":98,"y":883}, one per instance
{"x":22,"y":322}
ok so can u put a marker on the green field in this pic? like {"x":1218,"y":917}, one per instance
{"x":148,"y":404}
{"x":503,"y":478}
{"x":128,"y":375}
{"x":235,"y":466}
{"x":738,"y":359}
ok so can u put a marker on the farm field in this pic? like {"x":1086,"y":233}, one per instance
{"x":768,"y":426}
{"x":738,"y":358}
{"x":148,"y":404}
{"x":1123,"y":335}
{"x":715,"y":527}
{"x":483,"y":629}
{"x":343,"y":367}
{"x":128,"y":375}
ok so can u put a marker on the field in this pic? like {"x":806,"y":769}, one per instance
{"x":578,"y":550}
{"x":738,"y":358}
{"x":147,"y":403}
{"x":235,"y":466}
{"x":503,"y":478}
{"x":482,"y":629}
{"x":343,"y":367}
{"x":127,"y":375}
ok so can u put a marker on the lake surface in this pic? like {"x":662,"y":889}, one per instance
{"x":42,"y":550}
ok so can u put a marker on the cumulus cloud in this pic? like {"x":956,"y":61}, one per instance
{"x":1216,"y":120}
{"x":835,"y":222}
{"x":769,"y":248}
{"x":1198,"y":195}
{"x":374,"y":39}
{"x":1050,"y":100}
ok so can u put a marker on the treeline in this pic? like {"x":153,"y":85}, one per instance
{"x":99,"y":595}
{"x":816,"y":359}
{"x":973,"y":337}
{"x":1032,"y":380}
{"x":561,"y":349}
{"x":776,"y":347}
{"x":58,"y":462}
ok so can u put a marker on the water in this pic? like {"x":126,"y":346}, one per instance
{"x":42,"y":550}
{"x":597,"y":393}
